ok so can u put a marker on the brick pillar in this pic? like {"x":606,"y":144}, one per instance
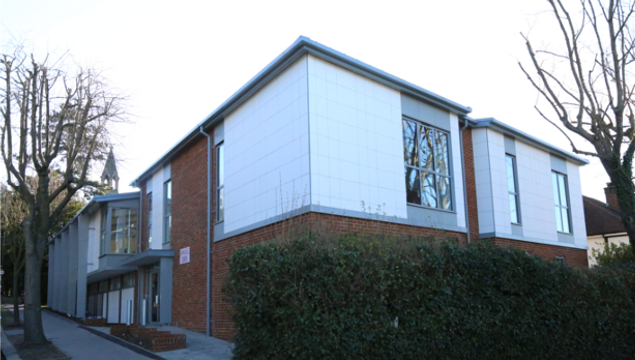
{"x":611,"y":196}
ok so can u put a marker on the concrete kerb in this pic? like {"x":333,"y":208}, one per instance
{"x":8,"y":349}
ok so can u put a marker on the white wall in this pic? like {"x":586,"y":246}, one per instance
{"x":126,"y":295}
{"x":267,"y":151}
{"x":94,"y":233}
{"x":537,"y":211}
{"x":158,"y":179}
{"x":597,"y":243}
{"x":483,"y":181}
{"x":459,"y":200}
{"x":113,"y":307}
{"x":356,"y":141}
{"x":535,"y":185}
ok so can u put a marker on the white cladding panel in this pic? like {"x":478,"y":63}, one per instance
{"x":267,"y":151}
{"x":537,"y":210}
{"x":459,"y":202}
{"x":94,"y":231}
{"x":577,"y":208}
{"x":113,"y":307}
{"x":356,"y":142}
{"x":158,"y":179}
{"x":483,"y":181}
{"x":127,"y":295}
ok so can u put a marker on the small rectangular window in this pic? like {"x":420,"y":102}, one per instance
{"x":512,"y":186}
{"x":561,"y":202}
{"x":220,"y":182}
{"x":115,"y":283}
{"x":167,"y":211}
{"x":129,"y":280}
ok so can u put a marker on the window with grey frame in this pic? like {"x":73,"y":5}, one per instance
{"x":512,"y":186}
{"x":561,"y":202}
{"x":149,"y":218}
{"x":220,"y":182}
{"x":167,"y":211}
{"x":427,"y":165}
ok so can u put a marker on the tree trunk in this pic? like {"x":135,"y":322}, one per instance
{"x":15,"y":294}
{"x":33,"y":329}
{"x":623,"y":184}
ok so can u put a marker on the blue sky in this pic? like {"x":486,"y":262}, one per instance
{"x":178,"y":61}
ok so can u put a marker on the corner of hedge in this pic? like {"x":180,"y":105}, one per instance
{"x":374,"y":297}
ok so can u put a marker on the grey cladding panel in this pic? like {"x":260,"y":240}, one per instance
{"x":425,"y":113}
{"x":510,"y":145}
{"x":219,"y":133}
{"x":558,"y":164}
{"x":431,"y":218}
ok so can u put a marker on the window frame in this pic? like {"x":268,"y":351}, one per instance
{"x":515,"y":193}
{"x":558,"y":206}
{"x":220,"y":183}
{"x":437,"y":174}
{"x":110,"y":232}
{"x":167,"y":213}
{"x":150,"y":203}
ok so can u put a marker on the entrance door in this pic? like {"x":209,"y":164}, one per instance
{"x":153,"y":301}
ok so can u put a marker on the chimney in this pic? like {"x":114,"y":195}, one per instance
{"x":611,"y":196}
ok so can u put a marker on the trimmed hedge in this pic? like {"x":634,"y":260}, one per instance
{"x":380,"y":298}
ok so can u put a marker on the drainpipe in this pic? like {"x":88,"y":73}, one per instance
{"x":209,"y":219}
{"x":467,"y":214}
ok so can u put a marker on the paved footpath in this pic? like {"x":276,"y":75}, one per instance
{"x":80,"y":344}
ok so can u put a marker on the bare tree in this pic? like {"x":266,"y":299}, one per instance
{"x":588,"y":86}
{"x":54,"y":121}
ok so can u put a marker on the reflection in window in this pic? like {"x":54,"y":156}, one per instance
{"x":427,"y":163}
{"x":167,"y":211}
{"x":514,"y":209}
{"x":123,"y":231}
{"x":561,"y":200}
{"x":220,"y":182}
{"x":149,"y":218}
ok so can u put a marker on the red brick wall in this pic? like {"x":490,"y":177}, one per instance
{"x":572,"y":257}
{"x":143,"y":232}
{"x":223,"y":327}
{"x":468,"y":158}
{"x":189,"y":222}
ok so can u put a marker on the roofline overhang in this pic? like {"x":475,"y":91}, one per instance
{"x":302,"y":46}
{"x":501,"y":127}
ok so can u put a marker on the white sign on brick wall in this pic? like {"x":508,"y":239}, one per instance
{"x":185,"y":255}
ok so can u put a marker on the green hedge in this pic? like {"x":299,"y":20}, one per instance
{"x":380,"y":298}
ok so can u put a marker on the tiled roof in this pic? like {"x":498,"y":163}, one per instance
{"x":601,"y":219}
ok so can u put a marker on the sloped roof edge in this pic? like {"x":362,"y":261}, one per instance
{"x":303,"y":45}
{"x":531,"y":140}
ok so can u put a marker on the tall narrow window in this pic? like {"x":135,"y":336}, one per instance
{"x":561,"y":200}
{"x":123,"y":232}
{"x":149,"y":219}
{"x":427,"y":166}
{"x":512,"y":186}
{"x":103,"y":230}
{"x":167,"y":210}
{"x":220,"y":182}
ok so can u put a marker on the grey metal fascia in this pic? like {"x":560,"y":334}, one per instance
{"x":299,"y":48}
{"x":531,"y":140}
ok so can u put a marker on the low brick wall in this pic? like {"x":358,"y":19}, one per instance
{"x":149,"y":338}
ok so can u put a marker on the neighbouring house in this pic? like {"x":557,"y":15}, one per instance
{"x":321,"y":139}
{"x":603,"y":222}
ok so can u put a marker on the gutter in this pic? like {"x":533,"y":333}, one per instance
{"x":209,"y":220}
{"x":467,"y":214}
